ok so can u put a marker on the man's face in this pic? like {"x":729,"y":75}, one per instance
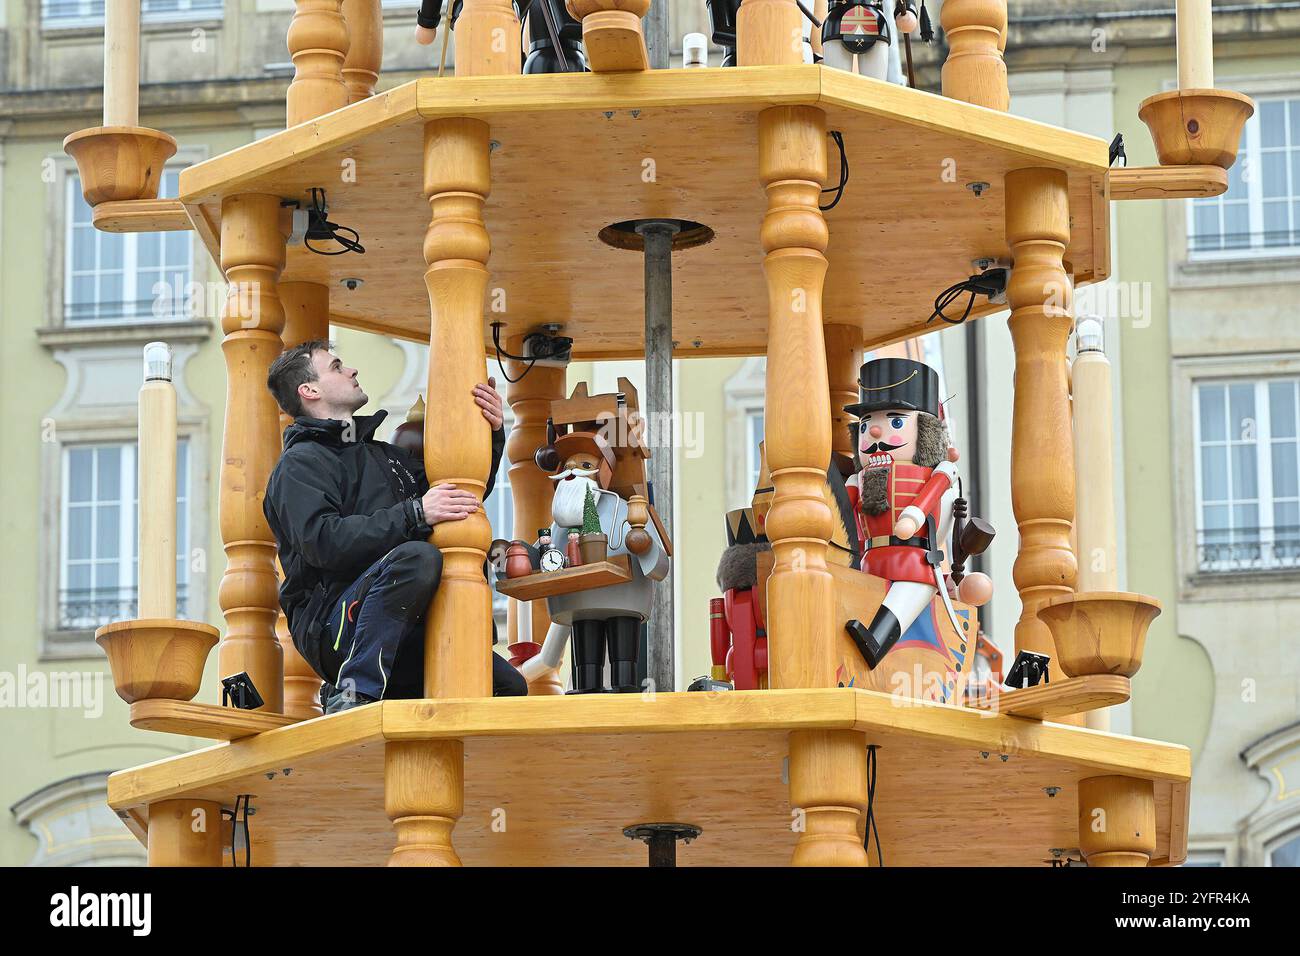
{"x":336,"y":387}
{"x":885,"y":437}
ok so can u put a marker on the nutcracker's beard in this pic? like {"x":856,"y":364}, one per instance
{"x":570,"y":496}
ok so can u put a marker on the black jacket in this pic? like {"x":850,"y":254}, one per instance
{"x":336,"y":507}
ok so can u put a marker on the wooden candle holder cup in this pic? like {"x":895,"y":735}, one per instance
{"x":1099,"y":632}
{"x":156,"y":658}
{"x":119,"y":163}
{"x":1196,"y":127}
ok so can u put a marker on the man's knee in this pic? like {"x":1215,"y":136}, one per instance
{"x":414,"y":570}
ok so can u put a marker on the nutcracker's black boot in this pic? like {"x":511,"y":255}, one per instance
{"x":623,"y":635}
{"x":588,"y":657}
{"x":875,"y":640}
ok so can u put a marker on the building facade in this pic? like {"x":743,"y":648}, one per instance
{"x":1199,"y":325}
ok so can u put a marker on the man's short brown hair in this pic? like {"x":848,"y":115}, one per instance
{"x":291,"y":369}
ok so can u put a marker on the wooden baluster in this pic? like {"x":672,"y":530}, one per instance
{"x":1117,"y":821}
{"x":827,"y":768}
{"x":530,"y":399}
{"x":1042,"y":442}
{"x":488,"y":39}
{"x":770,"y":33}
{"x":184,"y":833}
{"x":975,"y":70}
{"x":252,"y":255}
{"x":612,"y":33}
{"x":318,"y":43}
{"x":306,"y":317}
{"x":365,"y":21}
{"x":843,"y":359}
{"x":828,"y":790}
{"x":458,"y":441}
{"x":424,"y":796}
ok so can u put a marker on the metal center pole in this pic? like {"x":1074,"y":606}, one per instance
{"x":658,"y":238}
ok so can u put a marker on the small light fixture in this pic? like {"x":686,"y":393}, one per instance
{"x":1027,"y":670}
{"x":239,"y":691}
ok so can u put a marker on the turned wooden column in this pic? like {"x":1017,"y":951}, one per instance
{"x":843,"y":359}
{"x":457,"y":439}
{"x":488,"y":39}
{"x":828,"y":784}
{"x":1042,"y":442}
{"x":306,"y":317}
{"x":184,"y":833}
{"x":975,"y":70}
{"x":1117,"y":821}
{"x":365,"y":52}
{"x":530,"y":400}
{"x":318,"y":42}
{"x":612,"y":33}
{"x":424,"y":796}
{"x":769,"y":33}
{"x":252,"y":255}
{"x":797,"y":426}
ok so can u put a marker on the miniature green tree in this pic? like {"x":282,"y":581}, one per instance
{"x":590,"y":517}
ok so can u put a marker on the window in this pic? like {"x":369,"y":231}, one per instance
{"x":123,"y":277}
{"x":1247,"y":494}
{"x":1260,"y":212}
{"x":1286,"y":852}
{"x":754,"y":458}
{"x":84,"y":13}
{"x":98,"y":571}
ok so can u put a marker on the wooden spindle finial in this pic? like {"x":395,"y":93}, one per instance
{"x":365,"y":52}
{"x":612,"y":33}
{"x":1117,"y":821}
{"x":488,"y":39}
{"x":975,"y":70}
{"x":318,"y":43}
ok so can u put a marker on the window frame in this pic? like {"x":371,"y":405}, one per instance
{"x":58,"y":234}
{"x":84,"y":21}
{"x":127,"y":531}
{"x":1186,"y":373}
{"x":1263,"y":442}
{"x":1252,"y":157}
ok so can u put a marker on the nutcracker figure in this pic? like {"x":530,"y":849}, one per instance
{"x":903,"y":499}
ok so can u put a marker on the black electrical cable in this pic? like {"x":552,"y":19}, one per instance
{"x":234,"y":819}
{"x":990,"y":283}
{"x":319,"y":227}
{"x":248,"y":840}
{"x":871,"y":830}
{"x":496,"y":341}
{"x":844,"y":173}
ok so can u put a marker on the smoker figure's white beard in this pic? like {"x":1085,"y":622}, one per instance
{"x":570,"y":496}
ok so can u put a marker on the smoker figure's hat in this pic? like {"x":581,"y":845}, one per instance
{"x":742,"y":528}
{"x":887,"y":384}
{"x":591,"y":443}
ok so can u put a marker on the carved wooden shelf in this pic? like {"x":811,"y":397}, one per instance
{"x":141,"y":215}
{"x":1060,"y":698}
{"x":1167,"y":182}
{"x":544,"y":584}
{"x":204,"y":720}
{"x":700,"y":129}
{"x":558,"y":767}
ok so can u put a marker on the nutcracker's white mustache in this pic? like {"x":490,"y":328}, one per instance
{"x":570,"y":496}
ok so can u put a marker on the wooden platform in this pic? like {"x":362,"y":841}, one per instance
{"x":570,"y":773}
{"x":578,"y":152}
{"x":544,"y":584}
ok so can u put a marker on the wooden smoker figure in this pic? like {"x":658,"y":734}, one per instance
{"x":903,"y":499}
{"x":857,"y":37}
{"x":603,"y":619}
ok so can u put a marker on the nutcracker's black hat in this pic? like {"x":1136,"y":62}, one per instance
{"x":885,"y":384}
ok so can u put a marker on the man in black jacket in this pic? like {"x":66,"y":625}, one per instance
{"x":351,"y":517}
